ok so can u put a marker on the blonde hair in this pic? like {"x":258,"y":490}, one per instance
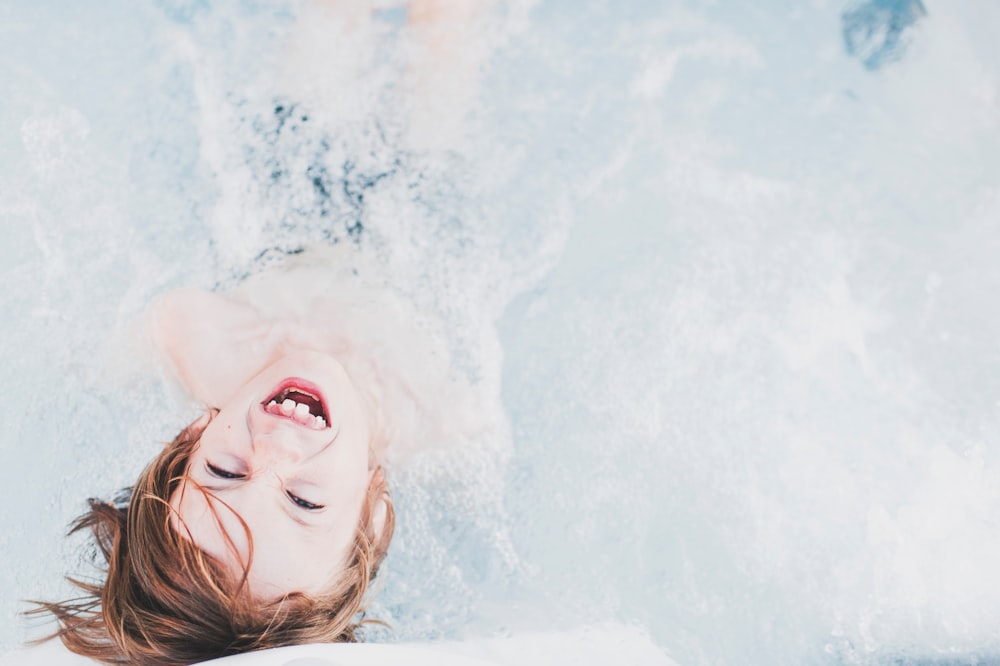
{"x":165,"y":602}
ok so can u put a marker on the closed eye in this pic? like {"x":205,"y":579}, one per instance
{"x":309,"y":506}
{"x":222,"y":473}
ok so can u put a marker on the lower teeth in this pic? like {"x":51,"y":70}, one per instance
{"x":297,"y":411}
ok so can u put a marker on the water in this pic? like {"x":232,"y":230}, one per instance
{"x":728,"y":271}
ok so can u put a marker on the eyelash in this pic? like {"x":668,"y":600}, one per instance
{"x":308,"y":506}
{"x":226,"y":474}
{"x":222,"y":473}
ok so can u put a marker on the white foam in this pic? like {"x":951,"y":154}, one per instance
{"x":744,"y":290}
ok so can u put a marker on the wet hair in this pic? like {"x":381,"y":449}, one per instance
{"x":165,"y":602}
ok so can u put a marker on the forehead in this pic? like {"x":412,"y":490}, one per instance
{"x":283,"y":555}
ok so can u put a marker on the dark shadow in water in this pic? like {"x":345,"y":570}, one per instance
{"x":876,"y":32}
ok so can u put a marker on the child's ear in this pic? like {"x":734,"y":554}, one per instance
{"x":376,"y":495}
{"x":378,"y":518}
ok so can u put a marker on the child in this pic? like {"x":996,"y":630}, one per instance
{"x":264,"y":522}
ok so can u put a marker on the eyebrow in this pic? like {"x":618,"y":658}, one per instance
{"x":211,"y":488}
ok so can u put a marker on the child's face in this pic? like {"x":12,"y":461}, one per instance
{"x":298,"y":482}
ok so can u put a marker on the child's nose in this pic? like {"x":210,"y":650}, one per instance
{"x":278,"y":445}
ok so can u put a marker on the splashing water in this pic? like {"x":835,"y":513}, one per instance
{"x":727,"y":270}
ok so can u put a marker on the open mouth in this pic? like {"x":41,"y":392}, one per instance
{"x":302,"y":404}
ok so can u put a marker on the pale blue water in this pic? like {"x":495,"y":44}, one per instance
{"x":733,"y":267}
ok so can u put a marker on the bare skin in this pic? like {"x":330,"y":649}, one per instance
{"x":287,"y":452}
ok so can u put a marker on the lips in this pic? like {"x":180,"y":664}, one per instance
{"x":300,"y":401}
